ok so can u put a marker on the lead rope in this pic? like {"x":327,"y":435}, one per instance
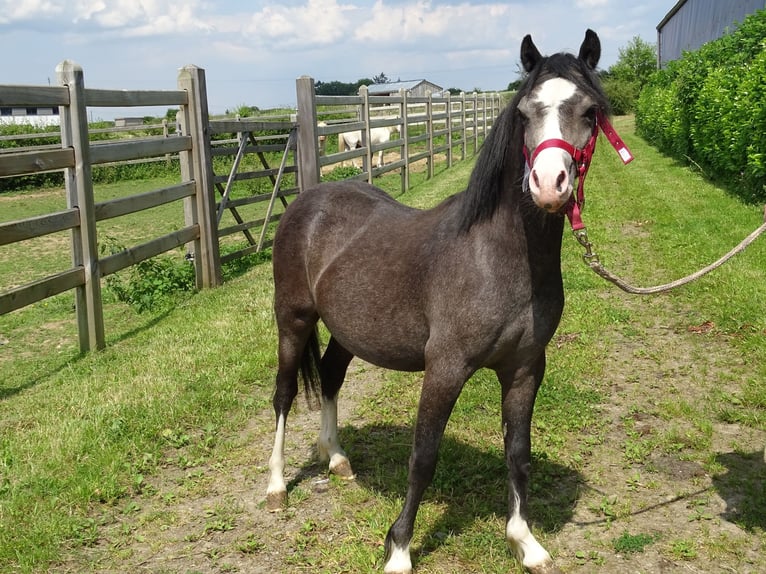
{"x":592,"y":261}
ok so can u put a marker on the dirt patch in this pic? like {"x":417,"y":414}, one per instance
{"x":211,"y":517}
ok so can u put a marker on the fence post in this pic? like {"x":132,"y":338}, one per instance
{"x":448,"y":99}
{"x":364,"y":116}
{"x":462,"y":123}
{"x":79,"y":189}
{"x":430,"y":131}
{"x":307,"y":146}
{"x":404,"y":134}
{"x":475,"y":123}
{"x":196,"y":165}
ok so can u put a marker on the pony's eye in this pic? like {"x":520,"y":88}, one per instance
{"x":590,"y":114}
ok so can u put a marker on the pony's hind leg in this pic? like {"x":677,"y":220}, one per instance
{"x":294,"y":348}
{"x":332,"y":370}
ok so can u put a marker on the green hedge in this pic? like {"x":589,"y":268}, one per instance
{"x":709,"y":108}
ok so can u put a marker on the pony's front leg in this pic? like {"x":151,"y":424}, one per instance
{"x":519,"y":392}
{"x":437,"y":398}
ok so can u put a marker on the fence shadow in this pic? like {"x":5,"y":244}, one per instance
{"x":743,"y":487}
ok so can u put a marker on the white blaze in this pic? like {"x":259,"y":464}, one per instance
{"x":549,"y":182}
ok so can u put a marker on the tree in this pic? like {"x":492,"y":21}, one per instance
{"x":381,"y":79}
{"x":624,"y":80}
{"x":637,"y":61}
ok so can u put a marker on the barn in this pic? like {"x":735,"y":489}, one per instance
{"x":691,"y":23}
{"x":417,"y":88}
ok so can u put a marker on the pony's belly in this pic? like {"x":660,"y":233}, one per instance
{"x":388,"y":346}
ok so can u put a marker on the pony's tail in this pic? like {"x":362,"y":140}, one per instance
{"x":312,"y":381}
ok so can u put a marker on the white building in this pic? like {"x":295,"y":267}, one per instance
{"x":31,"y":115}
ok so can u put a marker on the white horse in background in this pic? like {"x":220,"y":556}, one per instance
{"x":352,"y":140}
{"x":322,"y":139}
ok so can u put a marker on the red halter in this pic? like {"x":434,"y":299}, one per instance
{"x":582,"y":158}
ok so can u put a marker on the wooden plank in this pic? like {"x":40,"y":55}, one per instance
{"x":338,"y":100}
{"x":232,"y":229}
{"x":419,"y":156}
{"x":387,"y":122}
{"x":138,"y":148}
{"x":35,"y":161}
{"x":131,"y":98}
{"x":42,"y":289}
{"x":133,"y":255}
{"x":386,"y":100}
{"x":339,"y":157}
{"x":41,"y":96}
{"x":125,"y":205}
{"x":31,"y":227}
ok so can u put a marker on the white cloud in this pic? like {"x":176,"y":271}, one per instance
{"x":126,"y":17}
{"x":316,"y":23}
{"x":254,"y":49}
{"x":422,"y":21}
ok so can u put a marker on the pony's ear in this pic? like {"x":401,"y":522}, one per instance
{"x":590,"y":51}
{"x":530,"y":55}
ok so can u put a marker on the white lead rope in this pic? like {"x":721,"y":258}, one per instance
{"x":592,"y":261}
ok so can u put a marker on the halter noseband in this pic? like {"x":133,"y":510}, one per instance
{"x":582,"y":158}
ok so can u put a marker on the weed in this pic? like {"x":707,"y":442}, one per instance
{"x":684,"y":549}
{"x":250,"y":545}
{"x":628,"y":543}
{"x":341,"y":172}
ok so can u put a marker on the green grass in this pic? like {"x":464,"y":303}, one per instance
{"x":81,"y":437}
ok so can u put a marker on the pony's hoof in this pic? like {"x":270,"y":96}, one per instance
{"x":343,"y":470}
{"x":545,"y":568}
{"x":276,"y":501}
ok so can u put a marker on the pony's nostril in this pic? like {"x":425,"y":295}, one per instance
{"x":560,"y":180}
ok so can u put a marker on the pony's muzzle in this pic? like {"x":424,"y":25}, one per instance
{"x":550,"y":184}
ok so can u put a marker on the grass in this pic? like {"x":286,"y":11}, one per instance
{"x":83,"y":438}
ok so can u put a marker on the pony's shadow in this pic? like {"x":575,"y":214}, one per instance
{"x":470,"y":482}
{"x":743,"y":488}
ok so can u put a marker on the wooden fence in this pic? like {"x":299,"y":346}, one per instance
{"x":458,"y":123}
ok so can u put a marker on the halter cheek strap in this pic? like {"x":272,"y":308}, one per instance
{"x":582,"y":158}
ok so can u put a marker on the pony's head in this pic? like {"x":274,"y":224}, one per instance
{"x":558,"y":106}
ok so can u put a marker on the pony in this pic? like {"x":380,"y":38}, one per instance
{"x":352,"y":140}
{"x":473,"y":282}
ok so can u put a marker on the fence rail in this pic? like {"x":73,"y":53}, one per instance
{"x":426,"y":127}
{"x":76,"y":156}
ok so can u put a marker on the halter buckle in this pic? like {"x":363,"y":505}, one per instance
{"x":589,"y":256}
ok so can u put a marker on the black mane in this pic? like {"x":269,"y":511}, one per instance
{"x":500,"y":165}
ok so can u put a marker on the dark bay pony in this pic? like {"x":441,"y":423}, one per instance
{"x":474,"y":282}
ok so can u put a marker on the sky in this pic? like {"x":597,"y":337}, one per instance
{"x":253,"y":50}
